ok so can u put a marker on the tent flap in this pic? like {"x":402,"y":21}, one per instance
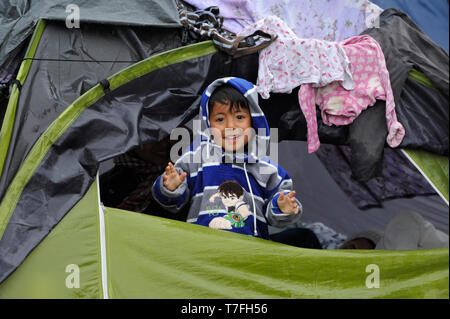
{"x":66,"y":264}
{"x":153,"y":257}
{"x":75,"y":144}
{"x":63,"y":65}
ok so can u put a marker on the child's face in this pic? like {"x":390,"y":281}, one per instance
{"x":228,"y":126}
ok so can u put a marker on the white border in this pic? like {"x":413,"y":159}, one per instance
{"x":101,"y":215}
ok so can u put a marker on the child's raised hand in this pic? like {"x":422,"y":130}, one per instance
{"x":171,"y":179}
{"x":287,"y":203}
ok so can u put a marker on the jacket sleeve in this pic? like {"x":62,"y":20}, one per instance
{"x":283,"y":183}
{"x":172,"y":201}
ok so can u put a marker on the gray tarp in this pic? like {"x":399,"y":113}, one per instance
{"x":143,"y":110}
{"x":68,"y":63}
{"x":18,"y":17}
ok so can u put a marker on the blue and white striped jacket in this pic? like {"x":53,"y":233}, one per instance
{"x":208,"y":166}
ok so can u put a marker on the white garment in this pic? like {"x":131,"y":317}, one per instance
{"x":289,"y":61}
{"x":409,"y":231}
{"x":318,"y":19}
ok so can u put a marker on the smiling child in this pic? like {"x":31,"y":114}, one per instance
{"x":263,"y":194}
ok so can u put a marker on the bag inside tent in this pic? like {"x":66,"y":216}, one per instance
{"x":76,"y":99}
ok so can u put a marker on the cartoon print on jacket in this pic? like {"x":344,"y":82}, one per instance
{"x":231,"y":194}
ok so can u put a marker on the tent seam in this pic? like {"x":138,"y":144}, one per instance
{"x":103,"y":250}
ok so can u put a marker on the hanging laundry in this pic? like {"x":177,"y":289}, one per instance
{"x":306,"y":18}
{"x":367,"y":140}
{"x":207,"y":24}
{"x":236,"y":13}
{"x":290,"y":61}
{"x":406,"y":47}
{"x":340,"y":106}
{"x":422,"y":109}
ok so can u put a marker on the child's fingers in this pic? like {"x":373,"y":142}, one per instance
{"x":288,"y":202}
{"x":183,"y":176}
{"x":293,"y":210}
{"x":290,"y":195}
{"x":169,"y":168}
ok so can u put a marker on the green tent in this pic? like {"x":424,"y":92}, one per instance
{"x":57,"y":239}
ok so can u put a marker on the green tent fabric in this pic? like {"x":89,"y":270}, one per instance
{"x":190,"y":261}
{"x":435,"y":168}
{"x":152,"y":257}
{"x":74,"y":241}
{"x":121,"y":254}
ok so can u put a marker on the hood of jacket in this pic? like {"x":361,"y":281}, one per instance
{"x":260,"y":139}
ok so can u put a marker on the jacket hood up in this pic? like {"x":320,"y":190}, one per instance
{"x":259,"y":122}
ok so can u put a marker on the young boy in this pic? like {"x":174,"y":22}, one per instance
{"x":229,"y":108}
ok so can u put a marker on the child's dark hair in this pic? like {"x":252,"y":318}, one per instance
{"x":227,"y":93}
{"x":231,"y":187}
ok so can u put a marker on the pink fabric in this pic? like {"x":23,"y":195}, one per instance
{"x":341,"y":107}
{"x":289,"y":61}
